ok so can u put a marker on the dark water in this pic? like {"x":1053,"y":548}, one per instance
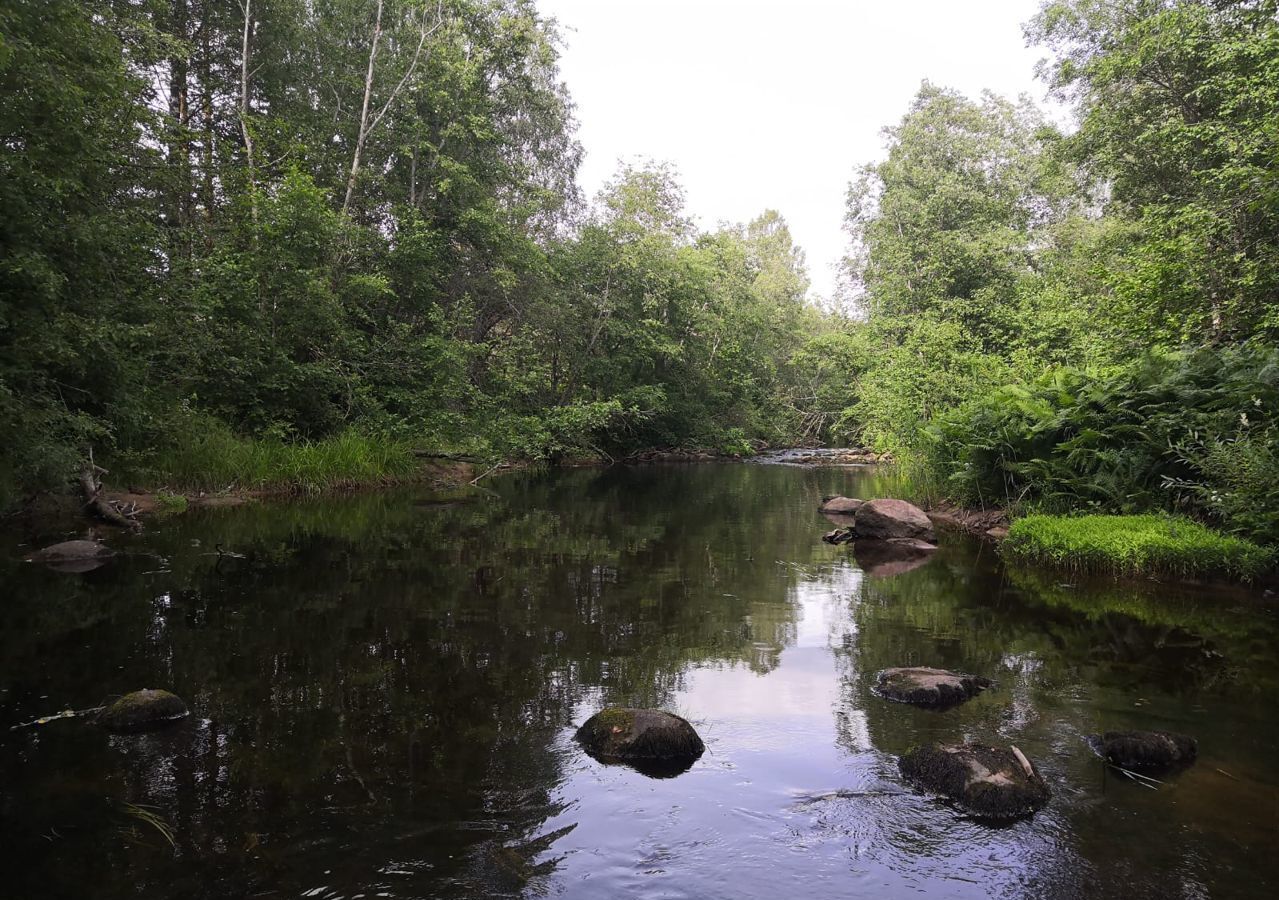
{"x":385,"y":691}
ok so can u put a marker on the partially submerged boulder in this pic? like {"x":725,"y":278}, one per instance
{"x":883,"y":559}
{"x":651,"y":740}
{"x":924,"y":686}
{"x":840,"y":506}
{"x":1145,"y":750}
{"x":73,"y":556}
{"x":995,"y":783}
{"x":142,"y":711}
{"x":887,"y":519}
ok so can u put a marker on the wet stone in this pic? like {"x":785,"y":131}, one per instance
{"x":923,"y":686}
{"x":655,"y":742}
{"x":1145,"y":750}
{"x":888,"y":518}
{"x":73,"y":556}
{"x":142,"y":711}
{"x":842,"y":506}
{"x":994,"y":783}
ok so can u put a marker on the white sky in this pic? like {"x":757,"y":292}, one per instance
{"x":774,"y":104}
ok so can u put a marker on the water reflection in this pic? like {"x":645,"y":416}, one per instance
{"x":385,"y":690}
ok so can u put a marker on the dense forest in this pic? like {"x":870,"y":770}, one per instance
{"x":233,"y":231}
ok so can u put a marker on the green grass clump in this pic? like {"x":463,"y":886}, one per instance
{"x":1134,"y":545}
{"x":215,"y":459}
{"x":170,"y":503}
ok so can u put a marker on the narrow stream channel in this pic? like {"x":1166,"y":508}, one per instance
{"x":385,"y":689}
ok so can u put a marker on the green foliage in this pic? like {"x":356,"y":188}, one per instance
{"x":171,"y":503}
{"x":1134,"y":545}
{"x":222,"y":262}
{"x":1188,"y":431}
{"x":207,"y":456}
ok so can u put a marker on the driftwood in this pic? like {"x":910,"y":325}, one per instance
{"x":98,"y":505}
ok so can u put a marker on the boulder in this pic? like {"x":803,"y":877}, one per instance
{"x":655,"y":742}
{"x":142,"y":711}
{"x":883,"y":559}
{"x":923,"y":686}
{"x":887,"y":519}
{"x":1145,"y":750}
{"x":73,"y":556}
{"x":994,"y":783}
{"x":840,"y":506}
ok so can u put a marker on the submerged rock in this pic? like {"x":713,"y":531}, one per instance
{"x":887,"y":519}
{"x":883,"y":559}
{"x":840,"y":506}
{"x":1145,"y":750}
{"x":923,"y":686}
{"x":73,"y":556}
{"x":996,"y":783}
{"x":142,"y":711}
{"x":651,"y":740}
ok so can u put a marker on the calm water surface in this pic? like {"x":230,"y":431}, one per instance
{"x":385,"y":690}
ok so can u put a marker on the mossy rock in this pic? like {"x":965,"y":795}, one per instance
{"x":924,"y":686}
{"x":653,"y":741}
{"x":1145,"y":750}
{"x":142,"y":711}
{"x":993,"y":783}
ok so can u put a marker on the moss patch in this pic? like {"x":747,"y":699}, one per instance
{"x":1134,"y":545}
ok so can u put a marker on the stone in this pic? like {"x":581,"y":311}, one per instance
{"x":886,"y":519}
{"x":840,"y":506}
{"x":924,"y":686}
{"x":73,"y":556}
{"x":142,"y":711}
{"x":997,"y":784}
{"x":896,"y":556}
{"x":653,"y":741}
{"x":1145,"y":750}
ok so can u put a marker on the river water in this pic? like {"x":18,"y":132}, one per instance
{"x":384,"y":692}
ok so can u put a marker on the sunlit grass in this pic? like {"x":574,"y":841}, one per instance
{"x":214,"y":459}
{"x":1134,"y":545}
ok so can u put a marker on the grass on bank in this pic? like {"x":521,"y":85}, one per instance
{"x":1134,"y":545}
{"x":214,"y":459}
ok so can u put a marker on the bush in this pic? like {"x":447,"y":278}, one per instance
{"x":1134,"y":545}
{"x":1185,"y":432}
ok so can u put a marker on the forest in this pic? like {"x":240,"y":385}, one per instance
{"x":296,"y":242}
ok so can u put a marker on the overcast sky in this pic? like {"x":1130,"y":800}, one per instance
{"x":774,"y":105}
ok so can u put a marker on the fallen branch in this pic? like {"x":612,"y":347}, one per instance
{"x":91,"y":486}
{"x":501,"y":465}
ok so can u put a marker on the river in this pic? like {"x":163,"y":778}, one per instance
{"x":385,"y":688}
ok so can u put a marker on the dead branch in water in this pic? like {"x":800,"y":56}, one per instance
{"x":91,"y":487}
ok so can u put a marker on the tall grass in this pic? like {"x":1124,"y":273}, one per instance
{"x":1134,"y":545}
{"x":213,"y":459}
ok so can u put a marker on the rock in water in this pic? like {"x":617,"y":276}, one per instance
{"x":839,"y":536}
{"x":886,"y":519}
{"x":654,"y":742}
{"x":73,"y":556}
{"x":922,"y":686}
{"x":142,"y":711}
{"x":995,"y":783}
{"x":840,"y":506}
{"x":1145,"y":750}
